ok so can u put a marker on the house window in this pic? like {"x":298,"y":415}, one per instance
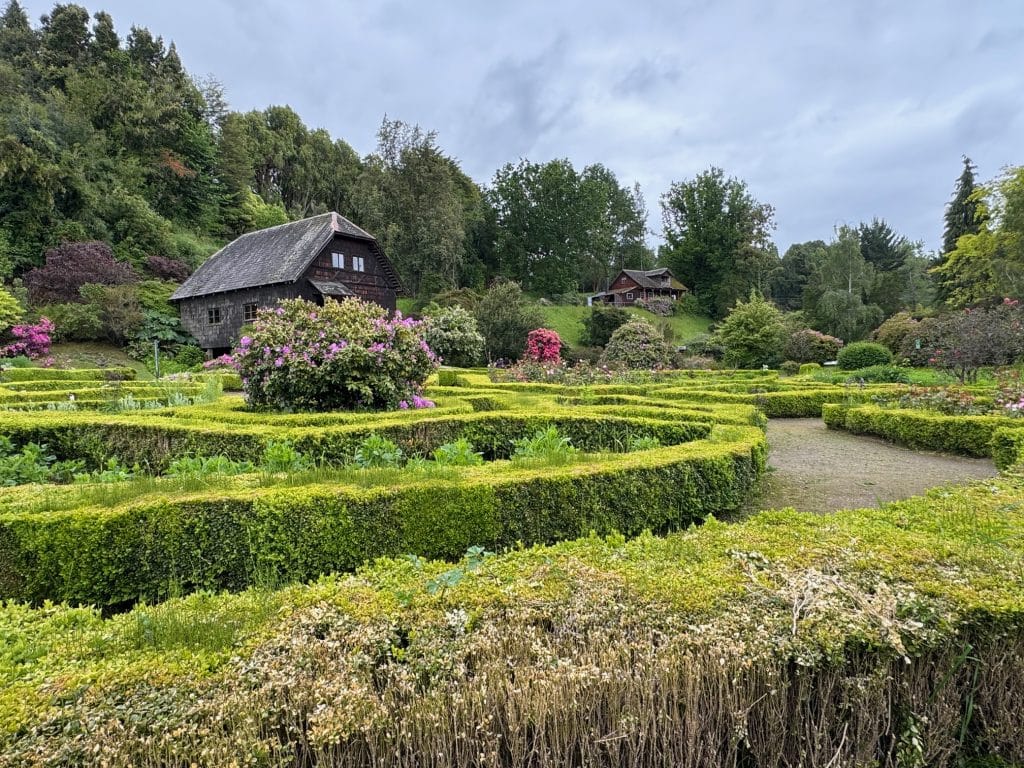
{"x":357,"y":264}
{"x":629,"y":297}
{"x":338,"y":260}
{"x":249,"y":312}
{"x":213,"y":315}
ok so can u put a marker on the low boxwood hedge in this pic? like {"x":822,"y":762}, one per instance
{"x":923,"y":430}
{"x":884,"y":637}
{"x":155,"y":545}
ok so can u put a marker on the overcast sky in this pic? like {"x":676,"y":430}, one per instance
{"x":833,"y":112}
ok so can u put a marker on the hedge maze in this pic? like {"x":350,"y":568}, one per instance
{"x":526,"y":609}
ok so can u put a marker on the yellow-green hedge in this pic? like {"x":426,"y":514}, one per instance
{"x":227,"y":540}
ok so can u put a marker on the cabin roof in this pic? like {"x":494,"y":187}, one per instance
{"x":645,"y":278}
{"x":280,"y":254}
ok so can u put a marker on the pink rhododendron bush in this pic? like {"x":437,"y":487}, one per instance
{"x":543,"y":346}
{"x":344,"y":355}
{"x":31,"y":341}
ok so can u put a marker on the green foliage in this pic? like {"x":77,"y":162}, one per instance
{"x":637,"y":345}
{"x":453,"y":335}
{"x":601,"y":323}
{"x":965,"y":215}
{"x":504,"y":317}
{"x":987,"y":265}
{"x":280,"y":456}
{"x":32,"y":463}
{"x":376,"y":451}
{"x":836,"y":297}
{"x":457,"y":454}
{"x":717,"y":239}
{"x":558,"y":230}
{"x":207,"y":466}
{"x":809,"y":346}
{"x":895,"y":331}
{"x":790,"y":367}
{"x":862,"y":354}
{"x":546,"y":446}
{"x":753,"y":333}
{"x":11,"y":310}
{"x":809,"y":368}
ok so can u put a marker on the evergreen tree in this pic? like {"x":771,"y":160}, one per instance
{"x":962,"y":211}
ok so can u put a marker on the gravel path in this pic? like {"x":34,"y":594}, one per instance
{"x":820,"y":470}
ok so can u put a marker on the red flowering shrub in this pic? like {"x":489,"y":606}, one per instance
{"x":31,"y":341}
{"x":978,"y":337}
{"x":809,"y":346}
{"x":543,"y":346}
{"x":70,"y":266}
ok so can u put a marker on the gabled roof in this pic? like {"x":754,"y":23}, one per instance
{"x":278,"y":254}
{"x":646,"y":278}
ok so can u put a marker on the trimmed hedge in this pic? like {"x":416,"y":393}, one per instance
{"x":155,"y":442}
{"x":228,"y":540}
{"x":923,"y":430}
{"x":1008,"y":447}
{"x":71,"y":374}
{"x":881,"y":637}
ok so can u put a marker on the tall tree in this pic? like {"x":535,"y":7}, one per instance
{"x":988,"y":265}
{"x":964,"y":216}
{"x":789,"y":283}
{"x":711,"y":225}
{"x":837,"y":289}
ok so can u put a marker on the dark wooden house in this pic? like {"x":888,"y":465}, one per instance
{"x":631,"y":285}
{"x":321,"y":257}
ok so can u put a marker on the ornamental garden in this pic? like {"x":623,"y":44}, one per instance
{"x":328,"y":550}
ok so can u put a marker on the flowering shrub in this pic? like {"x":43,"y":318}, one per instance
{"x":948,"y":400}
{"x":1010,"y":395}
{"x":637,"y":344}
{"x":344,"y":355}
{"x":31,"y":341}
{"x":663,"y":306}
{"x":581,"y":374}
{"x":976,"y":337}
{"x":453,"y":334}
{"x":809,"y":346}
{"x":543,"y":346}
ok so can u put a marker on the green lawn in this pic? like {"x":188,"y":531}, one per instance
{"x":568,"y":321}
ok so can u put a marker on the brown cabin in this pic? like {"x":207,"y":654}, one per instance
{"x":630,"y":285}
{"x":321,"y":257}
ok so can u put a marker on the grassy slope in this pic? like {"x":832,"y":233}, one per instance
{"x":96,"y":355}
{"x":568,"y":321}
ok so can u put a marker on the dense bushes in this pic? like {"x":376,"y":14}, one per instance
{"x":70,"y":266}
{"x":809,"y":346}
{"x":226,"y":539}
{"x":452,"y":334}
{"x":867,"y":638}
{"x":637,"y":345}
{"x":601,"y":322}
{"x":753,"y":333}
{"x":863,"y":354}
{"x":344,"y":355}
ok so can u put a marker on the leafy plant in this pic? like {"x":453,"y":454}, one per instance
{"x":546,"y":445}
{"x":281,"y":456}
{"x":457,"y":454}
{"x":207,"y":466}
{"x":376,"y":451}
{"x":637,"y":345}
{"x":645,"y":443}
{"x":112,"y":471}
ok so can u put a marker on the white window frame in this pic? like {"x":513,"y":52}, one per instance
{"x":629,"y":296}
{"x":245,"y":311}
{"x":358,"y":264}
{"x":337,"y":259}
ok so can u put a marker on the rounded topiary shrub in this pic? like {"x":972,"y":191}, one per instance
{"x":343,"y":355}
{"x":790,"y":367}
{"x":637,"y":344}
{"x":863,"y":354}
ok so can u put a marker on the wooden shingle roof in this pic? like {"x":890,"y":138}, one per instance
{"x":653,"y":278}
{"x":278,"y":254}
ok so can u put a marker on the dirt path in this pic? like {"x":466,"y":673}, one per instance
{"x":821,"y":470}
